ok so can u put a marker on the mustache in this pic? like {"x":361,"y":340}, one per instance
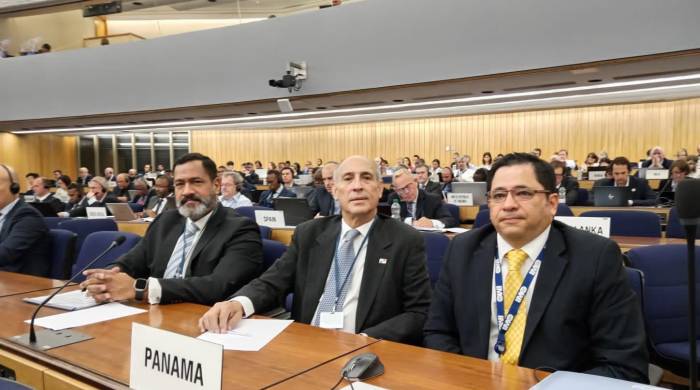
{"x":188,"y":198}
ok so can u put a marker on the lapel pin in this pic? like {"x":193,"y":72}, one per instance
{"x":382,"y":260}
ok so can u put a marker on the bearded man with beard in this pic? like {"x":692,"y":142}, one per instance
{"x":201,"y":252}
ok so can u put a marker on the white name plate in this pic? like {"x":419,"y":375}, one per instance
{"x":595,"y":225}
{"x":596,"y":175}
{"x":271,"y":218}
{"x":96,"y":212}
{"x":657,"y":174}
{"x":167,"y":360}
{"x":460,"y":199}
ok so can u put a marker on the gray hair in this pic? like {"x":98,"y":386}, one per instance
{"x":237,"y":179}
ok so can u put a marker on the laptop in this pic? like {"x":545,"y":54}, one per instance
{"x":46,"y":209}
{"x":295,"y":210}
{"x":611,"y":196}
{"x":122,"y":212}
{"x":477,"y":189}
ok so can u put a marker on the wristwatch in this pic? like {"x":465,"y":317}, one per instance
{"x":140,"y":286}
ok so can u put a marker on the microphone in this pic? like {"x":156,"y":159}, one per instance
{"x":69,"y":339}
{"x":687,"y":193}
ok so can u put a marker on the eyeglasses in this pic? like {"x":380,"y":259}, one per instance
{"x":403,"y":189}
{"x":521,"y":194}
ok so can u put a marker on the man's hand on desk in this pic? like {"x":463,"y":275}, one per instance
{"x":222,"y":317}
{"x":108,"y":284}
{"x":423,"y":222}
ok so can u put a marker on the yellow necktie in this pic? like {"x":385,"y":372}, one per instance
{"x":514,"y":279}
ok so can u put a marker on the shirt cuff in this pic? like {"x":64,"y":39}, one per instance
{"x":248,"y":309}
{"x":154,"y":291}
{"x":437,"y":224}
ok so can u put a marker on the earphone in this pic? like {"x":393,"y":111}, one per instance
{"x":14,"y":187}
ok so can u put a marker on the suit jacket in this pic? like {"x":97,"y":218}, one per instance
{"x":55,"y":203}
{"x":252,"y":178}
{"x":153,"y":201}
{"x":321,"y":202}
{"x":583,"y":315}
{"x":227,"y":256}
{"x":432,"y":187}
{"x":80,"y":209}
{"x":446,"y":187}
{"x":25,"y":246}
{"x":83,"y":181}
{"x":666,"y":163}
{"x":266,"y":199}
{"x":571,"y":186}
{"x":640,"y":192}
{"x":427,"y":205}
{"x":394,"y":296}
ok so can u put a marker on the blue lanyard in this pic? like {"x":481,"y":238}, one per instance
{"x":339,"y":288}
{"x":504,"y":322}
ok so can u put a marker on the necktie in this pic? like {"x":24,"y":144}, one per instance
{"x":158,"y":206}
{"x":514,"y":279}
{"x":344,"y":260}
{"x":336,"y":207}
{"x":175,"y":268}
{"x":410,"y":207}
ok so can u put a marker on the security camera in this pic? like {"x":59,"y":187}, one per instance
{"x":292,"y":80}
{"x":288,"y":81}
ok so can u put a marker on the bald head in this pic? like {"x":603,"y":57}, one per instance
{"x":357,"y":161}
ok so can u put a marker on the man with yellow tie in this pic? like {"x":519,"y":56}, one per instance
{"x":527,"y":290}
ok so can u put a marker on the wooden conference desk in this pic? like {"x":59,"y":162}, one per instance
{"x":12,"y":283}
{"x":588,"y":184}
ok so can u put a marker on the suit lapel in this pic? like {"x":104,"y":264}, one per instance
{"x":378,"y":245}
{"x":319,"y":264}
{"x":550,"y":273}
{"x":481,"y":278}
{"x":210,"y":231}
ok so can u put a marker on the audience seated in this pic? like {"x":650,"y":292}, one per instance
{"x":569,"y":183}
{"x":75,"y":195}
{"x":158,"y":203}
{"x":424,"y":209}
{"x":231,"y":184}
{"x":424,"y":182}
{"x":274,"y":181}
{"x":640,"y":193}
{"x":29,"y":178}
{"x":679,"y":172}
{"x":121,"y":191}
{"x":447,"y":178}
{"x":62,"y":183}
{"x":657,"y":159}
{"x":97,"y":197}
{"x":84,"y":177}
{"x":43,"y":195}
{"x":321,"y":202}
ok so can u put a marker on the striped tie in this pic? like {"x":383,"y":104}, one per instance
{"x":514,"y":279}
{"x":175,"y":268}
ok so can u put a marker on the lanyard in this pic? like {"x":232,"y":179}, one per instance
{"x":504,"y":322}
{"x":339,"y":288}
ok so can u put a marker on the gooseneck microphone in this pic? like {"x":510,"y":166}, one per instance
{"x":687,"y":195}
{"x":32,"y":335}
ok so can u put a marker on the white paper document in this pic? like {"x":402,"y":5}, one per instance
{"x":456,"y":230}
{"x":362,"y":386}
{"x":577,"y":381}
{"x":72,"y":300}
{"x":249,"y":335}
{"x":89,"y":316}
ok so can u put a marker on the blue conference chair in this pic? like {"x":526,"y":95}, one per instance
{"x":96,"y":243}
{"x":454,"y":211}
{"x":265,"y":231}
{"x":249,"y":211}
{"x":674,"y":229}
{"x":435,"y":246}
{"x":582,"y":197}
{"x":665,"y":302}
{"x":8,"y":384}
{"x":62,"y":253}
{"x":52,"y":222}
{"x":83,"y":227}
{"x":630,"y":223}
{"x":272,"y":251}
{"x":482,"y":219}
{"x":564,"y":211}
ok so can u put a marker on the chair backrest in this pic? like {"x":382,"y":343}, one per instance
{"x":272,"y":250}
{"x":52,"y":222}
{"x":674,"y":229}
{"x":564,"y":211}
{"x":249,"y":211}
{"x":95,"y":243}
{"x":630,"y":223}
{"x":435,"y":246}
{"x":265,"y":231}
{"x":454,"y":211}
{"x":62,"y":253}
{"x":482,"y":218}
{"x":582,"y":197}
{"x":635,"y":278}
{"x":83,"y":227}
{"x":665,"y":296}
{"x":8,"y":384}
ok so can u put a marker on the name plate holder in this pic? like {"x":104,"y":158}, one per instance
{"x":596,"y":175}
{"x":167,"y":360}
{"x":460,"y":199}
{"x":270,"y":218}
{"x":595,"y":225}
{"x":657,"y":174}
{"x":96,"y":212}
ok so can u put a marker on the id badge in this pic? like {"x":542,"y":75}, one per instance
{"x":331,"y":320}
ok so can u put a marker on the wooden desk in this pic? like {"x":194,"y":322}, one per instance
{"x":104,"y":360}
{"x":12,"y":283}
{"x":468,"y":213}
{"x":283,"y":235}
{"x":133,"y":227}
{"x":627,"y":243}
{"x":412,"y":367}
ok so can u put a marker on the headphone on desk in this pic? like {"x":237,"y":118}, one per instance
{"x":14,"y":187}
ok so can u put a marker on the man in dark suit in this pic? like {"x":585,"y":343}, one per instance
{"x":75,"y":195}
{"x":200,"y":253}
{"x":426,"y":210}
{"x":446,"y":183}
{"x":43,"y":195}
{"x":249,"y":174}
{"x":567,"y":182}
{"x":97,"y":197}
{"x":158,"y":203}
{"x":657,"y":159}
{"x":679,"y":172}
{"x":121,"y":190}
{"x":321,"y":202}
{"x":640,"y":193}
{"x":378,"y":265}
{"x":84,"y":177}
{"x":24,"y":238}
{"x":575,"y":310}
{"x":424,"y":183}
{"x":274,"y":181}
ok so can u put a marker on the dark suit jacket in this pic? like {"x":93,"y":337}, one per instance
{"x":394,"y":296}
{"x":25,"y":246}
{"x":666,"y":163}
{"x":79,"y":210}
{"x":83,"y":181}
{"x":583,"y":316}
{"x":446,"y":187}
{"x":321,"y":202}
{"x":227,"y":256}
{"x":55,"y":203}
{"x":571,"y":186}
{"x":252,"y":178}
{"x":428,"y":205}
{"x":432,"y":187}
{"x":640,"y":192}
{"x":267,"y":200}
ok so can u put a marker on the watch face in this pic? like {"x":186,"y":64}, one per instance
{"x":140,"y":284}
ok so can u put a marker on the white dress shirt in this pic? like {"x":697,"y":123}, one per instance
{"x":155,"y":291}
{"x":353,"y":294}
{"x":238,"y":200}
{"x":532,"y":248}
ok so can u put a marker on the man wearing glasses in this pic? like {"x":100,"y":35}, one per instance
{"x":424,"y":209}
{"x":527,"y":290}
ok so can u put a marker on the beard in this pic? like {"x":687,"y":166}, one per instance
{"x":205,"y":205}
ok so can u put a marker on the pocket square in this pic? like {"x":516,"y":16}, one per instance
{"x":382,"y":260}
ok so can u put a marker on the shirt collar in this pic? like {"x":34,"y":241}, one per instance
{"x":626,"y":185}
{"x":202,"y":222}
{"x":6,"y":210}
{"x":363,"y":229}
{"x":41,"y":198}
{"x":532,"y":248}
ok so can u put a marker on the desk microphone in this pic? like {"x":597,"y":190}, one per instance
{"x":60,"y":338}
{"x":687,"y":194}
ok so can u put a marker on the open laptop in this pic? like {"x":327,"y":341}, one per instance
{"x":296,"y":210}
{"x":477,"y":189}
{"x":611,"y":196}
{"x":122,"y":212}
{"x":46,"y":209}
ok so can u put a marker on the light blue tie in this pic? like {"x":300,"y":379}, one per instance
{"x":336,"y":207}
{"x":411,"y":208}
{"x":344,"y":259}
{"x":176,"y":264}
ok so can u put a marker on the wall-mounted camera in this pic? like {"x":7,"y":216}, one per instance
{"x":294,"y":77}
